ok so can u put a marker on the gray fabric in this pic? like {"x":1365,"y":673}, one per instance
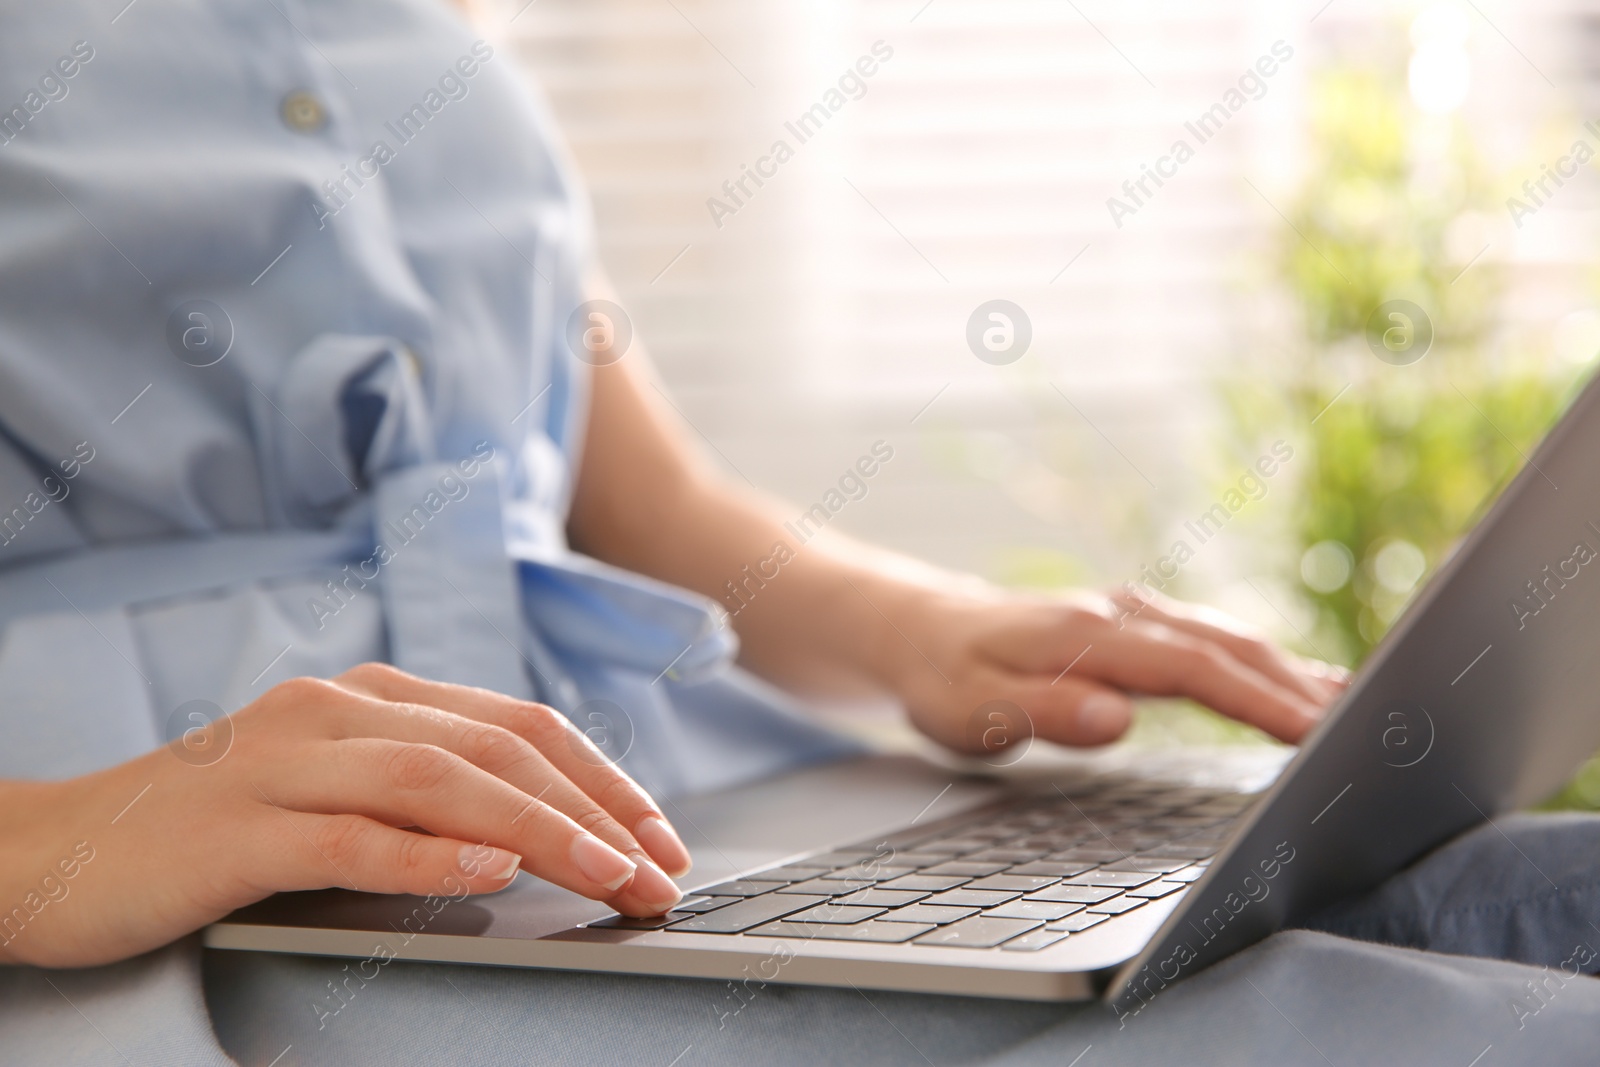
{"x":1525,"y":888}
{"x":141,"y":1011}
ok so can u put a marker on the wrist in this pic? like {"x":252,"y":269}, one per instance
{"x":911,"y":615}
{"x":26,"y":874}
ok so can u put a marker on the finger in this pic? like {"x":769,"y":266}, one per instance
{"x":355,"y":852}
{"x":1333,"y":676}
{"x":510,"y":758}
{"x":1330,"y":684}
{"x":1134,"y":655}
{"x":553,"y":735}
{"x":426,"y":786}
{"x":1267,"y":658}
{"x":1154,"y":658}
{"x":1073,"y":711}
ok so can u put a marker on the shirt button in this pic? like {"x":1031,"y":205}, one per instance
{"x":304,"y":112}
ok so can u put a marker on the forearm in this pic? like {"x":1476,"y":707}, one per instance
{"x":28,"y":879}
{"x":810,"y":614}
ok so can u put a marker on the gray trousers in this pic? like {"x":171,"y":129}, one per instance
{"x":1477,"y":956}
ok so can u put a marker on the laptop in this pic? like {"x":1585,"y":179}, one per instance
{"x":1083,"y":876}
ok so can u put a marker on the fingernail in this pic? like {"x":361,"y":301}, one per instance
{"x":601,"y":863}
{"x":1330,"y":671}
{"x":495,"y":864}
{"x":662,"y":842}
{"x":654,"y":888}
{"x":1102,"y":713}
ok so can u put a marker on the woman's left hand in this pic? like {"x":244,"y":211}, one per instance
{"x":1072,"y":663}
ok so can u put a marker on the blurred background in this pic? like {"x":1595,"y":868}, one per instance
{"x":1311,"y":161}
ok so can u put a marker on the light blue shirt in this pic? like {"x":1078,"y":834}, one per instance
{"x":285,"y":385}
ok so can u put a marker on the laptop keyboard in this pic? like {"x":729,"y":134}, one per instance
{"x":1019,"y":874}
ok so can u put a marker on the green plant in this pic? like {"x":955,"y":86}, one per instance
{"x":1395,"y":457}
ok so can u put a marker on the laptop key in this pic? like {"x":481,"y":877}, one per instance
{"x":1024,"y":882}
{"x":832,"y":912}
{"x":1075,"y":894}
{"x":633,"y":922}
{"x":1122,"y":879}
{"x":1068,"y":893}
{"x":1090,"y":855}
{"x":1184,"y":851}
{"x":1076,"y":924}
{"x":1005,"y":855}
{"x":920,"y":860}
{"x":696,"y":905}
{"x":1034,"y":940}
{"x":736,"y":918}
{"x":794,"y":872}
{"x":931,"y":883}
{"x":828,"y":887}
{"x":964,"y":844}
{"x":937,"y":914}
{"x":980,"y":931}
{"x":1148,"y":864}
{"x":1156,"y":890}
{"x":842,"y":858}
{"x":1043,"y":842}
{"x":971,"y":870}
{"x":873,"y":930}
{"x":869,"y":872}
{"x":1114,"y":906}
{"x":740,"y":888}
{"x":1188,"y":874}
{"x":1034,"y":909}
{"x":1227,"y":807}
{"x":1059,"y":868}
{"x":1089,"y":862}
{"x":1194,"y":845}
{"x":878,"y":897}
{"x":974,"y":898}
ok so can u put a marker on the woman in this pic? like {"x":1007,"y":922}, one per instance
{"x":295,"y":423}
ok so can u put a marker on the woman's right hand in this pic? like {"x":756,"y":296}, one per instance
{"x":377,"y":781}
